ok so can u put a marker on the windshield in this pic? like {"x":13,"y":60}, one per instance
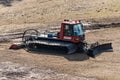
{"x":68,"y":30}
{"x":77,"y":28}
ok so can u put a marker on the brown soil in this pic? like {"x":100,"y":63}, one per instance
{"x":14,"y":71}
{"x":40,"y":14}
{"x":103,"y":67}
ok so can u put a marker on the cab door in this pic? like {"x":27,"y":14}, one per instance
{"x":67,"y":32}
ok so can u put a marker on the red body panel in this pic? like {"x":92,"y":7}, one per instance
{"x":61,"y":31}
{"x":74,"y":39}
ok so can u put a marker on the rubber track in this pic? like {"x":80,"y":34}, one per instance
{"x":68,"y":47}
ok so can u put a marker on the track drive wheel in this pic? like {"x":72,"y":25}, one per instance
{"x":83,"y":47}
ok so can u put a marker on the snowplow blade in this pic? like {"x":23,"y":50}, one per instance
{"x":97,"y":50}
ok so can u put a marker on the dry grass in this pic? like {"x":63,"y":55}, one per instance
{"x":52,"y":11}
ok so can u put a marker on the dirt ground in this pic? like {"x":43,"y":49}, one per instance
{"x":40,"y":14}
{"x":106,"y":66}
{"x":15,"y":71}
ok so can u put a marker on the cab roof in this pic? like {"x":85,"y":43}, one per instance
{"x":71,"y":22}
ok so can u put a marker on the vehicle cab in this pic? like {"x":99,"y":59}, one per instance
{"x":72,"y":31}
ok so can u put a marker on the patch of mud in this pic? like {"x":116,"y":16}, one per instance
{"x":14,"y":71}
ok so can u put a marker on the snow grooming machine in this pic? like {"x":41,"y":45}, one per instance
{"x":70,"y":39}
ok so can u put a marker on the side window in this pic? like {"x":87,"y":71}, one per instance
{"x":81,"y":29}
{"x":68,"y":30}
{"x":78,"y":30}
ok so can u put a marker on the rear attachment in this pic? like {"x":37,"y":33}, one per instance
{"x":98,"y":49}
